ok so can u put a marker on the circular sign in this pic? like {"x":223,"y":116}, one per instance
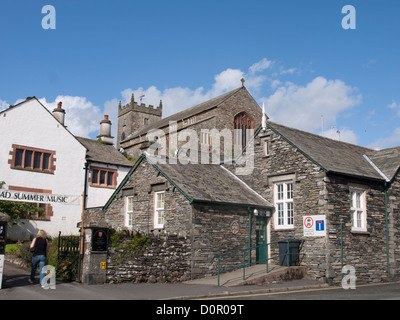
{"x":308,"y":222}
{"x":235,"y":227}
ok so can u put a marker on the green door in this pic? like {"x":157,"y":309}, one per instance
{"x":261,"y":240}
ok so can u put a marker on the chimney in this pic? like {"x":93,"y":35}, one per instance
{"x":105,"y":131}
{"x":59,"y":113}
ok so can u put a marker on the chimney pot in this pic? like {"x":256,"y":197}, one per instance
{"x":59,"y":113}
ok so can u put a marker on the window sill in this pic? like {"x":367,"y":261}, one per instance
{"x":288,"y":228}
{"x":33,"y":170}
{"x":102,"y":186}
{"x":360,"y":232}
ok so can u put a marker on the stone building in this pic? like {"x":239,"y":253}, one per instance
{"x":354,"y":188}
{"x":299,"y":177}
{"x":235,"y":110}
{"x":204,"y":210}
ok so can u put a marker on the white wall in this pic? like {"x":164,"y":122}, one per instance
{"x":97,"y":196}
{"x":30,"y":124}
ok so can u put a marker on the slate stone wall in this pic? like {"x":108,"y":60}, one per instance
{"x":315,"y":193}
{"x":216,"y":118}
{"x":218,"y":230}
{"x":165,"y":259}
{"x":393,"y":199}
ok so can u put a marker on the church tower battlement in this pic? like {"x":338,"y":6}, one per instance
{"x":133,"y":117}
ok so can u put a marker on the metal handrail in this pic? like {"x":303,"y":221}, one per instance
{"x":288,"y":253}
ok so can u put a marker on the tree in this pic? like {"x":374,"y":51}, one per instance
{"x":19,"y":210}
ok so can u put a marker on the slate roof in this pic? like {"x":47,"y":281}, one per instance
{"x":212,"y":183}
{"x":387,"y":160}
{"x":332,"y":155}
{"x":187,"y":113}
{"x":203,"y":183}
{"x":100,"y":152}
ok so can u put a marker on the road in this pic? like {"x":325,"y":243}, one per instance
{"x":380,"y":291}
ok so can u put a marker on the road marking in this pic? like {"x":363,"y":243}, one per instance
{"x":292,"y":291}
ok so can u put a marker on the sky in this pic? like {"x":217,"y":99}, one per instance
{"x":299,"y":59}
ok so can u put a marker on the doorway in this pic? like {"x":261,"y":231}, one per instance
{"x":261,"y":240}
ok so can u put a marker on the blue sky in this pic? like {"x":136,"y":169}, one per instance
{"x":295,"y":56}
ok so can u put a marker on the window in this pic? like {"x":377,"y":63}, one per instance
{"x":266,"y":147}
{"x":129,"y":212}
{"x":103,"y":177}
{"x":146,"y":121}
{"x":243,"y":126}
{"x":32,"y":159}
{"x":206,"y":138}
{"x":159,"y":198}
{"x":357,"y":209}
{"x":283,"y":198}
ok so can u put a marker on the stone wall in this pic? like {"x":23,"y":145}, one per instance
{"x":393,"y":200}
{"x":165,"y":259}
{"x":217,"y":230}
{"x":316,"y":193}
{"x":286,"y":163}
{"x":218,"y":118}
{"x":365,"y":251}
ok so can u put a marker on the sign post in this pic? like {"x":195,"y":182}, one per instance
{"x":3,"y":236}
{"x":314,"y":226}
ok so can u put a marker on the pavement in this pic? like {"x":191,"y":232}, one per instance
{"x":16,"y":287}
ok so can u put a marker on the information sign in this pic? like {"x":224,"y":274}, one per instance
{"x":314,"y":226}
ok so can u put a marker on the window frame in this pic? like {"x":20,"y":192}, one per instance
{"x":95,"y":179}
{"x":157,"y":210}
{"x":284,"y":205}
{"x":129,"y":211}
{"x":39,"y":160}
{"x":358,"y":206}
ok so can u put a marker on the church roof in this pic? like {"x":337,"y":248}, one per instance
{"x":187,"y":113}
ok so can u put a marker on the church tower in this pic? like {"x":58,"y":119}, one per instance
{"x":133,"y":117}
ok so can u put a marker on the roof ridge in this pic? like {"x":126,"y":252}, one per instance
{"x":322,"y":137}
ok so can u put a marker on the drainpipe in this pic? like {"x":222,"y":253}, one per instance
{"x":387,"y":231}
{"x":248,"y":209}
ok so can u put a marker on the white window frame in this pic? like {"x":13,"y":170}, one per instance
{"x":159,"y":211}
{"x":129,"y":212}
{"x":284,"y":205}
{"x":358,"y":210}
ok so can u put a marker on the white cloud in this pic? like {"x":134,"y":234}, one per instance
{"x":388,"y":142}
{"x":3,"y":105}
{"x":395,"y":105}
{"x":260,"y":66}
{"x":302,"y":106}
{"x":343,"y":134}
{"x":81,"y":116}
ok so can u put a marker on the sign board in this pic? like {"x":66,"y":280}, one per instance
{"x":99,"y":239}
{"x":22,"y":196}
{"x":314,"y":226}
{"x":1,"y":269}
{"x":3,"y":232}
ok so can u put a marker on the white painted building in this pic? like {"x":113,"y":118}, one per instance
{"x":39,"y":155}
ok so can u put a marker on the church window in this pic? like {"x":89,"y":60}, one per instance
{"x":243,"y":127}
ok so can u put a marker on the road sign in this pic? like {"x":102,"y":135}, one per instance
{"x":314,"y":226}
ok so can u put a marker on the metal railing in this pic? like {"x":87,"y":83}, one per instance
{"x":247,"y":252}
